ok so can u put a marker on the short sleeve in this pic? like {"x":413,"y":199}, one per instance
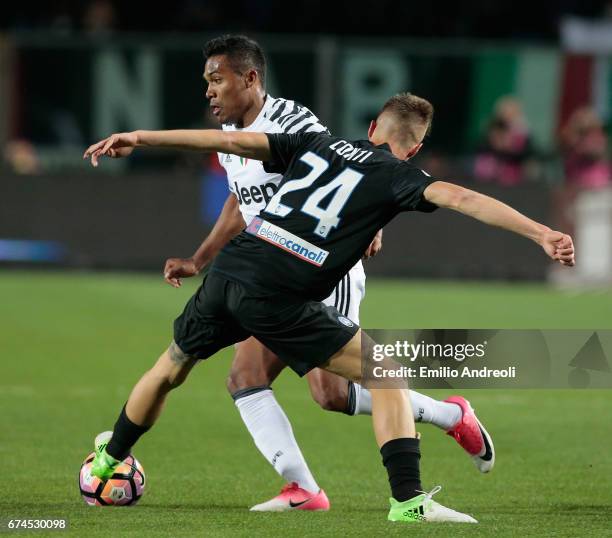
{"x":409,"y":184}
{"x":282,"y":149}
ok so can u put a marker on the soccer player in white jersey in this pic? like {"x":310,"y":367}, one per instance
{"x":235,"y":74}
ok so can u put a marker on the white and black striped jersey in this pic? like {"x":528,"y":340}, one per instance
{"x":247,"y":179}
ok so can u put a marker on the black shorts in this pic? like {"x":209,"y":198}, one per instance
{"x":304,"y":334}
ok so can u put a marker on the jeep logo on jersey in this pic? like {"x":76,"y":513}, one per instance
{"x":255,"y":194}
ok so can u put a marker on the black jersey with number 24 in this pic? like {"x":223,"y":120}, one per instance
{"x":335,"y":195}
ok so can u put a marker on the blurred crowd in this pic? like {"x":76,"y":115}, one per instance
{"x":507,"y":155}
{"x":570,"y":156}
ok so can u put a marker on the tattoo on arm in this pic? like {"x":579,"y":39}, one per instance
{"x":177,"y":356}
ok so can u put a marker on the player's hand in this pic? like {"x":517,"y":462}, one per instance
{"x":559,"y":247}
{"x":115,"y":146}
{"x":375,"y":246}
{"x":177,"y":268}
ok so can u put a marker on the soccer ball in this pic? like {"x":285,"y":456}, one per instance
{"x":125,"y":487}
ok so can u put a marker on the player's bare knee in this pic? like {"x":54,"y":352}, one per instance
{"x":232,"y":382}
{"x":328,"y":390}
{"x":330,"y":402}
{"x":174,"y":366}
{"x":253,"y":366}
{"x":236,"y":380}
{"x":242,"y":378}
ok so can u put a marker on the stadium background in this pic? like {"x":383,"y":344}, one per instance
{"x":80,"y":251}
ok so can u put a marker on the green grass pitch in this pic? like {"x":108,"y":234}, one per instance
{"x":73,"y":345}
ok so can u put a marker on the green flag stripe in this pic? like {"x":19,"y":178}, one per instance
{"x":602,"y":84}
{"x":494,"y":76}
{"x":537,"y":86}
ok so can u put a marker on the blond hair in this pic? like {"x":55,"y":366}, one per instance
{"x":409,"y":110}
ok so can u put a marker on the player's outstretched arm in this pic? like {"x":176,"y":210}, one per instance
{"x":229,"y":223}
{"x":250,"y":145}
{"x":557,"y":245}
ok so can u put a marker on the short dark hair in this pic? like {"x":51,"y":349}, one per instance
{"x":408,"y":109}
{"x":243,"y":52}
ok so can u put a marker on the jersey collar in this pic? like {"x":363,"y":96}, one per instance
{"x":384,"y":147}
{"x":268,"y":102}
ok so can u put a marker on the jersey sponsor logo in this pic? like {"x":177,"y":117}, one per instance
{"x":345,"y":321}
{"x":289,"y":242}
{"x":255,"y":194}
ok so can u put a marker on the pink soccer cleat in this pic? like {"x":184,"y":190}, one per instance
{"x":292,"y":497}
{"x":472,"y":436}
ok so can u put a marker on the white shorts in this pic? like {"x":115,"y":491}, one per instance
{"x":349,"y":293}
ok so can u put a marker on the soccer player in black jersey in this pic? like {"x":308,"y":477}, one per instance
{"x":234,"y":72}
{"x":268,"y":282}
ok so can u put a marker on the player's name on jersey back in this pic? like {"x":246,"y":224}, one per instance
{"x":350,"y":152}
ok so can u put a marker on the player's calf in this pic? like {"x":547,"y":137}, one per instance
{"x":399,"y":444}
{"x":141,"y":410}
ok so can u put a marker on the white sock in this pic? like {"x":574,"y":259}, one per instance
{"x":425,"y":409}
{"x":363,"y":400}
{"x":442,"y":414}
{"x":273,"y":436}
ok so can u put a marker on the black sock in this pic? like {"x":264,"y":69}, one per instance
{"x":351,"y":400}
{"x":401,"y":458}
{"x":125,"y":435}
